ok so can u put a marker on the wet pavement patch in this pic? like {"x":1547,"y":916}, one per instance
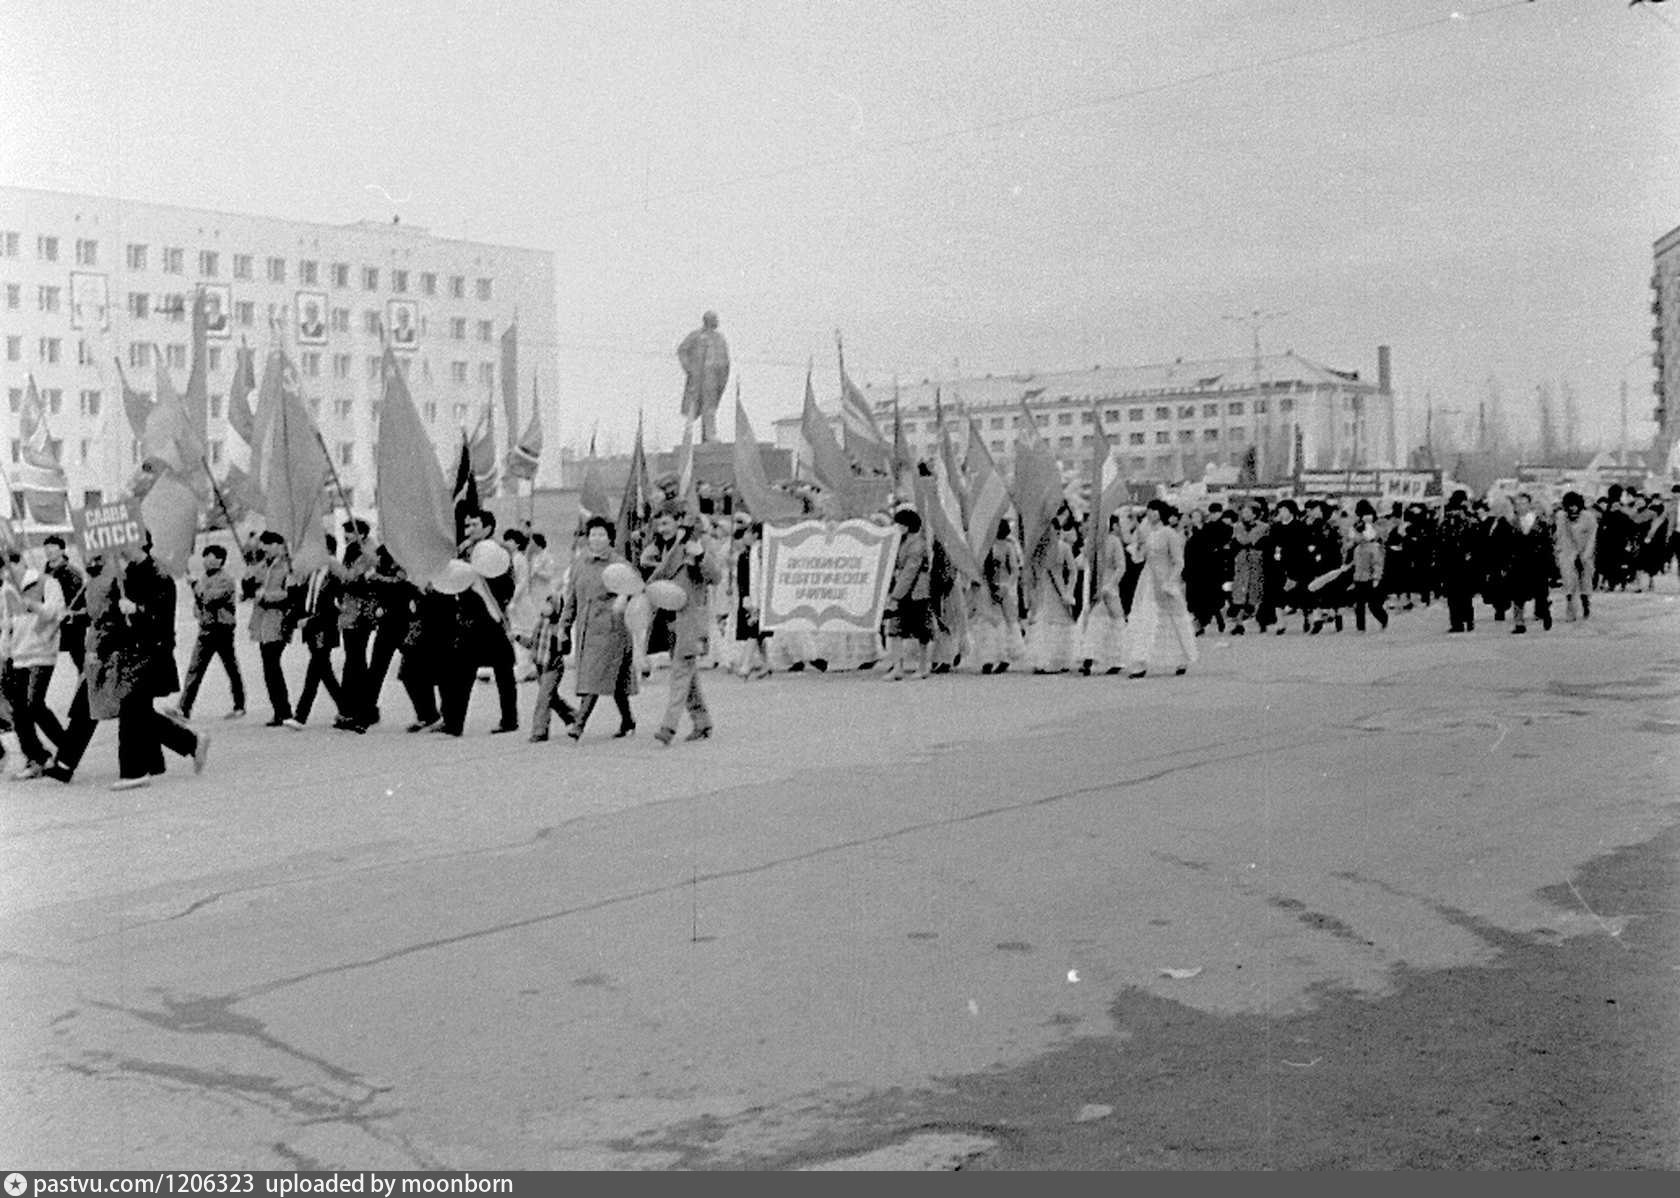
{"x":1561,"y":1054}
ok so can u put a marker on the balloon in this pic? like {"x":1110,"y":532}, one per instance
{"x":621,"y":578}
{"x":638,"y":618}
{"x":490,"y":560}
{"x":455,"y":577}
{"x":667,"y":595}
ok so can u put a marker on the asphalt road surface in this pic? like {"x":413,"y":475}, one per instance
{"x":1395,"y":900}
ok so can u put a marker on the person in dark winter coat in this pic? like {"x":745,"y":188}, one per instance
{"x":593,"y":618}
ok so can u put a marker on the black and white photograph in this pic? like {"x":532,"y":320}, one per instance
{"x":402,"y":318}
{"x":90,"y":301}
{"x":310,"y":309}
{"x":771,"y":586}
{"x":218,"y":309}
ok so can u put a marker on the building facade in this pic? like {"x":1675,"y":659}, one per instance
{"x":89,"y":282}
{"x":1167,"y":423}
{"x":1665,"y":333}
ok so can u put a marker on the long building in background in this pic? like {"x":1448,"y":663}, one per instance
{"x":1167,"y":423}
{"x":90,"y":281}
{"x":1665,"y":332}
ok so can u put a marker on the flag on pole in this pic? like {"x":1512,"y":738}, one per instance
{"x":168,"y":439}
{"x":198,"y":380}
{"x":410,"y":492}
{"x":137,"y":405}
{"x":948,"y":455}
{"x":39,"y":449}
{"x":864,"y":442}
{"x":685,"y":471}
{"x":828,"y":462}
{"x":592,"y":496}
{"x":988,"y":497}
{"x":904,"y":472}
{"x":1096,"y":530}
{"x":1038,"y":486}
{"x":482,"y":446}
{"x":510,"y":381}
{"x":465,"y":493}
{"x":169,"y":511}
{"x":522,"y":458}
{"x":947,"y":519}
{"x":240,"y":417}
{"x":751,"y":483}
{"x":294,"y":469}
{"x":635,"y":504}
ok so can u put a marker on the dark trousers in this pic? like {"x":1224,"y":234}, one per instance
{"x":353,"y":681}
{"x":419,"y":679}
{"x":143,"y":733}
{"x":549,"y":702}
{"x":1461,"y":608}
{"x":26,"y":691}
{"x":455,"y":678}
{"x":386,"y":642}
{"x":214,"y":641}
{"x":319,"y":674}
{"x":274,"y":679}
{"x":507,"y":688}
{"x":1367,"y":595}
{"x":78,"y":731}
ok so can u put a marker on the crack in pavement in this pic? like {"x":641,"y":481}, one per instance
{"x":1204,"y":759}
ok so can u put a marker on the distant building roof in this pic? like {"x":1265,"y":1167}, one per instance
{"x":1276,"y":371}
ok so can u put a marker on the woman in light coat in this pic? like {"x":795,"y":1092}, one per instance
{"x":1576,"y":545}
{"x":594,"y":616}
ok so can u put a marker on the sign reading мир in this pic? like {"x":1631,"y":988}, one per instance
{"x":827,"y":577}
{"x":109,"y":526}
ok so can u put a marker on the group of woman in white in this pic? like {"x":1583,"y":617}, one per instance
{"x":1043,"y":615}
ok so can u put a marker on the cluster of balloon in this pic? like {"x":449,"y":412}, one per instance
{"x":630,"y":601}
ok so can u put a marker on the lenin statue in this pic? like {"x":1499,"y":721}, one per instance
{"x":704,"y":355}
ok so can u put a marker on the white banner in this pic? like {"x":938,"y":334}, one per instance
{"x":827,"y":577}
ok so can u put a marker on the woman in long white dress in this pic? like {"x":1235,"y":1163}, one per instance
{"x":1160,"y":593}
{"x":1103,"y":627}
{"x":1051,"y":634}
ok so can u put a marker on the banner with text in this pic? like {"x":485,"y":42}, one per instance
{"x":827,"y":577}
{"x":107,"y":527}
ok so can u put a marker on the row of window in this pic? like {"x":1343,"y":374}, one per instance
{"x":172,"y":259}
{"x":1134,"y":415}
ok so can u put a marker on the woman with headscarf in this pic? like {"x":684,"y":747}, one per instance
{"x":1160,"y":594}
{"x":1104,"y":622}
{"x":594,"y":620}
{"x":1248,"y":569}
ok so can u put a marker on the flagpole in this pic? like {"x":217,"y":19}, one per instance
{"x":217,"y":490}
{"x":344,"y":501}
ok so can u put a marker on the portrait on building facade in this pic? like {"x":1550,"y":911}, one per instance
{"x":402,"y":318}
{"x":312,"y":317}
{"x":218,"y":309}
{"x":89,"y":301}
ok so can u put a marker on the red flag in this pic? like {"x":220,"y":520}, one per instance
{"x":592,"y":496}
{"x":39,"y":448}
{"x":510,"y":379}
{"x":1038,"y":485}
{"x":1097,"y":529}
{"x":635,"y":505}
{"x":240,"y":417}
{"x":864,"y":443}
{"x":294,"y":467}
{"x":137,"y":405}
{"x":482,"y":447}
{"x":198,"y":386}
{"x":751,"y":483}
{"x":411,"y":493}
{"x":988,"y":497}
{"x":828,"y":462}
{"x":522,"y":458}
{"x":170,"y":513}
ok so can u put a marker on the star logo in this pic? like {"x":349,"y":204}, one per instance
{"x":16,"y":1185}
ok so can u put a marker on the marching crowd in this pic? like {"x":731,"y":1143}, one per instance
{"x":689,"y":585}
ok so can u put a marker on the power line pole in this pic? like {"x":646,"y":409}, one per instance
{"x":1255,"y":319}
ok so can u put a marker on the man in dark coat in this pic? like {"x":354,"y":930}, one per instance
{"x":319,"y":629}
{"x":1458,"y":546}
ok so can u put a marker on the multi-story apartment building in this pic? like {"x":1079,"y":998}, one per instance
{"x":1166,"y":422}
{"x":1665,"y":332}
{"x":88,"y":282}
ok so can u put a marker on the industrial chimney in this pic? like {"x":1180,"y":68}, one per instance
{"x":1382,"y":370}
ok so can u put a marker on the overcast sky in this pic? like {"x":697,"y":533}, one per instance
{"x":960,"y":185}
